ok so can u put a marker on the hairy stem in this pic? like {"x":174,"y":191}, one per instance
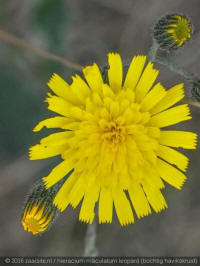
{"x":153,"y":51}
{"x":175,"y":68}
{"x":181,"y":71}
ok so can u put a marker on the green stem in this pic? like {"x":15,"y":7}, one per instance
{"x":153,"y":51}
{"x":176,"y":68}
{"x":181,"y":71}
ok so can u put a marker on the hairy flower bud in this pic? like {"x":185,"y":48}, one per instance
{"x":39,"y":211}
{"x":196,"y":90}
{"x":172,"y":31}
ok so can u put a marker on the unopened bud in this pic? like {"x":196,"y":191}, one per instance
{"x":39,"y":211}
{"x":196,"y":90}
{"x":172,"y":31}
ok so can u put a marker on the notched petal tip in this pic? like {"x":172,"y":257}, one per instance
{"x":58,"y":204}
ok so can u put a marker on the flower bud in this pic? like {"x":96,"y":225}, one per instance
{"x":196,"y":90}
{"x":172,"y":31}
{"x":39,"y":211}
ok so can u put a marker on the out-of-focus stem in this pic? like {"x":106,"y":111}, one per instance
{"x":191,"y":102}
{"x":90,"y":241}
{"x":23,"y":44}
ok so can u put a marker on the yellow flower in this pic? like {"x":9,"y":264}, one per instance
{"x":114,"y":138}
{"x":172,"y":31}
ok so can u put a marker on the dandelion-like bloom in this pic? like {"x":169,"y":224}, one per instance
{"x":172,"y":31}
{"x":39,"y":211}
{"x":114,"y":138}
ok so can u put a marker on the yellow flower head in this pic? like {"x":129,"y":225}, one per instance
{"x":114,"y":137}
{"x":172,"y":31}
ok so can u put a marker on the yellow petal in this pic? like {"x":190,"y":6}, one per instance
{"x":170,"y":174}
{"x":153,"y":179}
{"x":97,"y":99}
{"x":139,"y":200}
{"x":178,"y":139}
{"x":60,"y":87}
{"x":87,"y":208}
{"x":174,"y":157}
{"x":93,"y":77}
{"x":76,"y":113}
{"x":58,"y":105}
{"x":153,"y":132}
{"x":123,"y":208}
{"x":115,"y":72}
{"x":56,"y":138}
{"x":155,"y":198}
{"x":107,"y":92}
{"x":153,"y":97}
{"x":58,"y":172}
{"x":77,"y":192}
{"x":174,"y":95}
{"x":41,"y":151}
{"x":80,"y":88}
{"x":171,"y":116}
{"x":146,"y":82}
{"x":54,"y":122}
{"x":61,"y":200}
{"x":105,"y":206}
{"x":134,"y":71}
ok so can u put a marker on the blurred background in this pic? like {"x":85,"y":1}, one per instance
{"x":85,"y":31}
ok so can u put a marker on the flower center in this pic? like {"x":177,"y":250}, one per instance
{"x":183,"y":30}
{"x":114,"y":133}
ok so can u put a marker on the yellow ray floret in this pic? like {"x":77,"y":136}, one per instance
{"x":174,"y":157}
{"x":115,"y":71}
{"x":105,"y":206}
{"x":146,"y":82}
{"x":134,"y":72}
{"x":170,"y":174}
{"x":87,"y":208}
{"x":173,"y":95}
{"x":153,"y":97}
{"x":93,"y":77}
{"x":139,"y":200}
{"x":123,"y":208}
{"x":178,"y":139}
{"x":54,"y":122}
{"x":83,"y":90}
{"x":112,"y":141}
{"x":57,"y":173}
{"x":171,"y":116}
{"x":62,"y":89}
